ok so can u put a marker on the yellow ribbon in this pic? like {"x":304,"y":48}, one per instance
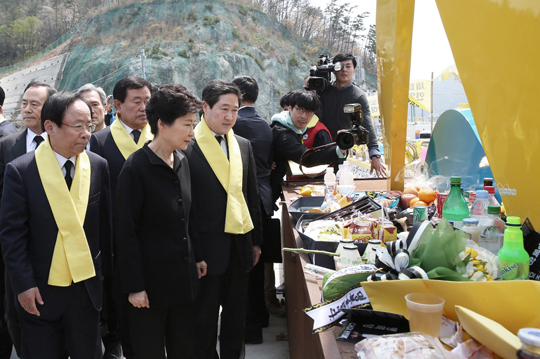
{"x":229,"y":173}
{"x":72,"y":260}
{"x":123,"y":140}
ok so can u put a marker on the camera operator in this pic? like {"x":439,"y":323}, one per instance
{"x":288,"y":128}
{"x":342,"y":92}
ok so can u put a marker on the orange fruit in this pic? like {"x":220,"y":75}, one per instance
{"x":413,"y":202}
{"x":411,"y":190}
{"x":315,"y":210}
{"x":420,"y":203}
{"x":427,"y":195}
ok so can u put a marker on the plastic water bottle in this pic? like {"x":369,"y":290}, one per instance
{"x":455,"y":208}
{"x":470,"y":226}
{"x":479,"y":208}
{"x":330,"y":180}
{"x":491,"y":196}
{"x":492,"y":230}
{"x":338,"y":174}
{"x":513,"y":258}
{"x":346,"y":178}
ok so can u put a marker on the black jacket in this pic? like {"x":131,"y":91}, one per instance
{"x":210,"y":199}
{"x":29,"y":231}
{"x":254,"y":128}
{"x":288,"y":147}
{"x":156,"y":250}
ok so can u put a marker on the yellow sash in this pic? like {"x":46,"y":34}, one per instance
{"x":72,"y":260}
{"x":123,"y":140}
{"x":237,"y":216}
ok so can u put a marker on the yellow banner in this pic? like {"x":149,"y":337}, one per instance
{"x":450,"y":72}
{"x":374,"y":105}
{"x":420,"y":94}
{"x":510,"y":140}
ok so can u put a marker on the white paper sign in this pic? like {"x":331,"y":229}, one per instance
{"x":326,"y":314}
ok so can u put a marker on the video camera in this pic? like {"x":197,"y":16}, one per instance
{"x":357,"y":135}
{"x":321,"y":75}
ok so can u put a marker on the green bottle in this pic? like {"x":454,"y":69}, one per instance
{"x":513,"y":258}
{"x":455,"y":208}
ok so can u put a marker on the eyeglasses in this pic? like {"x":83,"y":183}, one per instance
{"x":81,"y":128}
{"x":301,"y":111}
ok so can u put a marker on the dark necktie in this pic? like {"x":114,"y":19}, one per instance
{"x":219,"y":139}
{"x":68,"y":165}
{"x":136,"y":135}
{"x":38,"y":139}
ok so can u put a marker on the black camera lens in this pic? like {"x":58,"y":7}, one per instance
{"x":345,"y":140}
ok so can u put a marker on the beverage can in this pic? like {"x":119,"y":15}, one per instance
{"x":472,"y":196}
{"x":420,"y":214}
{"x":441,"y":198}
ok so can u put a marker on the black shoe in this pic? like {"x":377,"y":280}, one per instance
{"x":281,"y":288}
{"x":253,"y":340}
{"x":113,"y":352}
{"x":253,"y":335}
{"x":111,"y":356}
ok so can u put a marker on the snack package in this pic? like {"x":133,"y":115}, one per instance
{"x":387,"y":232}
{"x":360,"y":231}
{"x":399,"y":346}
{"x":379,"y":223}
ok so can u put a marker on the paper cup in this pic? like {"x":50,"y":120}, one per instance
{"x":425,"y":313}
{"x":345,"y":190}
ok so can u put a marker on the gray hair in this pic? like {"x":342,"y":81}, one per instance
{"x":91,"y":87}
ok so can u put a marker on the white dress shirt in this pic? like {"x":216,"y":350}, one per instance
{"x":223,"y":143}
{"x":30,"y":144}
{"x":62,"y":161}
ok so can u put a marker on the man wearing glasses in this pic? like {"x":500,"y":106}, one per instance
{"x":55,"y":230}
{"x":288,"y":128}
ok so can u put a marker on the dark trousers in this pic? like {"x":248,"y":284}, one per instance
{"x":6,"y":344}
{"x":155,"y":330}
{"x":68,"y":319}
{"x":12,"y":317}
{"x":257,"y":315}
{"x":228,"y":290}
{"x":109,"y":317}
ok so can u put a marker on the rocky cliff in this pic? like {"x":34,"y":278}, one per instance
{"x":190,"y":43}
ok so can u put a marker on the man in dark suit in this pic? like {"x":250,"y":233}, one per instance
{"x":227,"y":205}
{"x":254,"y":128}
{"x":116,"y":143}
{"x":11,"y":147}
{"x":95,"y":97}
{"x":56,"y":237}
{"x":6,"y":127}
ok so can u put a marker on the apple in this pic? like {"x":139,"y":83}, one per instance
{"x":405,"y":199}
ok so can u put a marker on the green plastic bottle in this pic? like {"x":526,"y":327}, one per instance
{"x":513,"y":258}
{"x":455,"y":208}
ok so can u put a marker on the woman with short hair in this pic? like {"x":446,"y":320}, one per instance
{"x":159,"y":259}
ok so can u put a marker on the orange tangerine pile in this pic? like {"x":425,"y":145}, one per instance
{"x":424,"y":197}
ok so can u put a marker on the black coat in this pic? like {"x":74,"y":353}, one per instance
{"x":11,"y":147}
{"x":102,"y":143}
{"x":7,"y":128}
{"x":156,"y":251}
{"x":28,"y":230}
{"x":210,"y":199}
{"x":254,"y":128}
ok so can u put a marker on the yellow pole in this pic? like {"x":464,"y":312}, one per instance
{"x":394,"y":40}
